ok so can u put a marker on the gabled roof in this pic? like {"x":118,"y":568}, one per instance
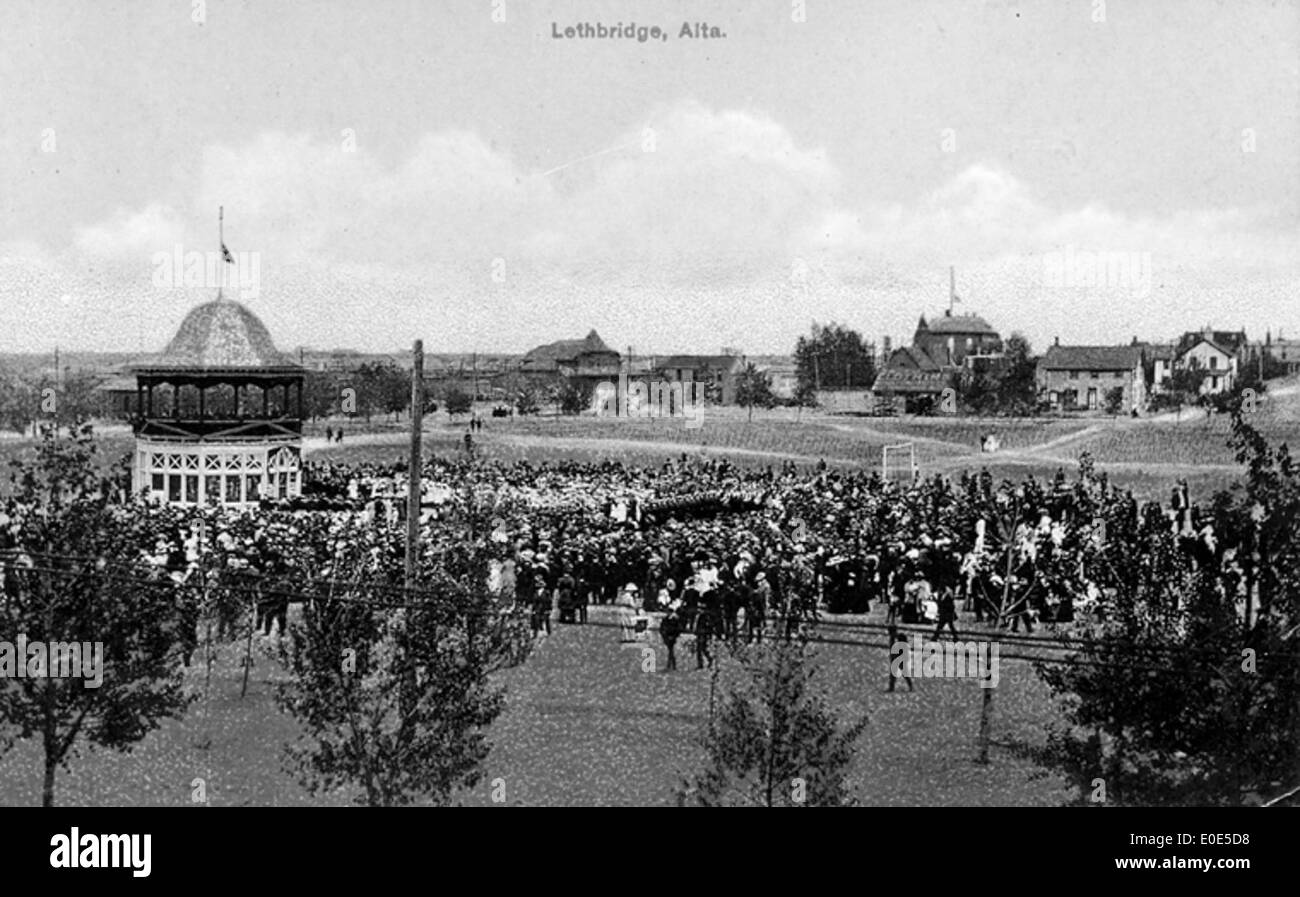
{"x":1227,"y":341}
{"x":963,"y":324}
{"x":219,"y":335}
{"x":911,"y":358}
{"x":551,"y":355}
{"x":1192,"y":340}
{"x":911,"y":380}
{"x":1091,"y":358}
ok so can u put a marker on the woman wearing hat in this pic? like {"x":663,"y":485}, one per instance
{"x":627,"y":613}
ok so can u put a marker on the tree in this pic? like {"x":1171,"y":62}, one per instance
{"x":979,"y":391}
{"x":575,"y":397}
{"x":753,"y":389}
{"x":392,"y":688}
{"x":1187,"y":380}
{"x":20,"y":402}
{"x":1018,"y":388}
{"x":805,"y":393}
{"x":527,"y":400}
{"x":321,"y":394}
{"x":394,"y":389}
{"x":458,"y":401}
{"x":776,"y":740}
{"x":834,"y":357}
{"x":1115,"y":400}
{"x":80,"y":581}
{"x":1188,"y":691}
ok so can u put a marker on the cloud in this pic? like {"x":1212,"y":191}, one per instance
{"x":153,"y":228}
{"x":685,"y":232}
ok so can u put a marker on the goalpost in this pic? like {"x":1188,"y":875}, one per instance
{"x":904,"y":466}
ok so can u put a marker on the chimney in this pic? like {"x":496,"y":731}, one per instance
{"x":1057,"y":341}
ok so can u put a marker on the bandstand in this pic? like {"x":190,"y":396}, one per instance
{"x":220,"y":414}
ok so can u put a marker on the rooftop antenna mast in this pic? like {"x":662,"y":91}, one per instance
{"x":952,"y":288}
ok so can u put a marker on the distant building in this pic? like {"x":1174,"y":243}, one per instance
{"x":122,"y":395}
{"x":588,"y":358}
{"x":718,"y":373}
{"x":782,"y":378}
{"x":1159,"y":363}
{"x":950,"y":339}
{"x":913,"y":378}
{"x":1217,"y":352}
{"x":1079,"y":377}
{"x":1284,"y":352}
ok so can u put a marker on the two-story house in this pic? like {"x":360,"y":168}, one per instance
{"x":1079,"y":377}
{"x":1217,"y":352}
{"x":718,"y":373}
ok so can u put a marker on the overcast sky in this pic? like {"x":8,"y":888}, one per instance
{"x":423,"y":169}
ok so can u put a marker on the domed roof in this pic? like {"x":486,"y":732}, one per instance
{"x":221,"y":334}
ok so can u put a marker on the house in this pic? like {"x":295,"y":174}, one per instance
{"x":1218,"y":353}
{"x":949,"y":340}
{"x":912,"y":379}
{"x":1160,"y":363}
{"x":718,"y":373}
{"x":585,"y":359}
{"x":1079,"y":377}
{"x":782,"y":378}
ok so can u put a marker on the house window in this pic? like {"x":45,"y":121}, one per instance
{"x":1214,"y":362}
{"x":1095,"y":375}
{"x":1074,"y":375}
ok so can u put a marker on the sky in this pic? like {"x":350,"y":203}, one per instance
{"x":452,"y":171}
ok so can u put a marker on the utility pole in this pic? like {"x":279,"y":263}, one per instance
{"x":416,"y":462}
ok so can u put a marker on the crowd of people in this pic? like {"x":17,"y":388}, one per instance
{"x":703,"y":545}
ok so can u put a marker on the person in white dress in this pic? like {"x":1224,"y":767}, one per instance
{"x":627,"y":600}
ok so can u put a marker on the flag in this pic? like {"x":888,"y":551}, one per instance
{"x":226,"y":256}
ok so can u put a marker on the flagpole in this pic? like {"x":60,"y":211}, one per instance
{"x":221,"y":241}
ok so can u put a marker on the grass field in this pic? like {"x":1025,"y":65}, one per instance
{"x":583,"y":725}
{"x":1144,"y":455}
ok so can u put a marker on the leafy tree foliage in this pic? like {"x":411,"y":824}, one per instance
{"x":834,"y":357}
{"x":458,"y":401}
{"x":753,"y":389}
{"x":397,"y":700}
{"x":575,"y":397}
{"x":776,"y":740}
{"x":1115,"y":400}
{"x":528,"y":400}
{"x":1187,"y":690}
{"x":78,"y":577}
